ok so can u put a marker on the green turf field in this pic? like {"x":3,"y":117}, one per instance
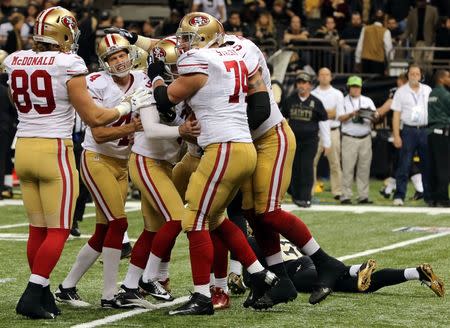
{"x":340,"y":233}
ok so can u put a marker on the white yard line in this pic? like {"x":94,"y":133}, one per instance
{"x":5,"y":280}
{"x":394,"y":246}
{"x":123,"y":315}
{"x":368,"y":209}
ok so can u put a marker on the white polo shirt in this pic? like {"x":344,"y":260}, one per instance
{"x":351,"y":104}
{"x":331,"y":98}
{"x":413,"y":106}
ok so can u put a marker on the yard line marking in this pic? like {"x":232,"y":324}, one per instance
{"x":123,"y":315}
{"x":5,"y":280}
{"x":393,"y":246}
{"x":368,"y":209}
{"x":89,"y":215}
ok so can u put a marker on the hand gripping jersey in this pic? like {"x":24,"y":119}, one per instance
{"x":38,"y":83}
{"x":183,"y":111}
{"x":107,"y":93}
{"x":220,"y":104}
{"x":247,"y":49}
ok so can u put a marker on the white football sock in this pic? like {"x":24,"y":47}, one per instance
{"x":411,"y":274}
{"x":255,"y":267}
{"x":236,"y":267}
{"x":212,"y":279}
{"x":125,"y":240}
{"x":8,"y":180}
{"x":416,"y":179}
{"x":111,"y":259}
{"x":310,"y":247}
{"x":353,"y":271}
{"x":222,"y":283}
{"x":134,"y":273}
{"x":203,"y":289}
{"x":36,"y":279}
{"x":276,"y":258}
{"x":152,"y":268}
{"x":163,"y":271}
{"x":85,"y":258}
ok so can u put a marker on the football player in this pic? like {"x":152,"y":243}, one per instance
{"x":213,"y":81}
{"x":359,"y":278}
{"x":104,"y":169}
{"x":47,"y":83}
{"x":154,"y":153}
{"x":262,"y":196}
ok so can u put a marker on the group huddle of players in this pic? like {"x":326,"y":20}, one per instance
{"x":204,"y":89}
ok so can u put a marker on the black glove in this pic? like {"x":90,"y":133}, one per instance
{"x":130,"y":36}
{"x":155,"y":69}
{"x":168,"y":115}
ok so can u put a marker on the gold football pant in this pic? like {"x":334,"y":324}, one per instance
{"x":182,"y":172}
{"x":106,"y":178}
{"x":264,"y":191}
{"x":160,"y":200}
{"x":48,"y":180}
{"x":221,"y":171}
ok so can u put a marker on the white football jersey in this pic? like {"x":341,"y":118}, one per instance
{"x":219,"y":105}
{"x":38,"y":84}
{"x":107,"y":93}
{"x":167,"y":149}
{"x":246,"y":49}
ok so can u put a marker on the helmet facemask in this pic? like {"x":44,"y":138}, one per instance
{"x":121,"y":68}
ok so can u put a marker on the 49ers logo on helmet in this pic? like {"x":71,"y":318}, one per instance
{"x":68,"y":21}
{"x":159,"y":53}
{"x":199,"y":21}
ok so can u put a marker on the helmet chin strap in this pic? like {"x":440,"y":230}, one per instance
{"x":122,"y":74}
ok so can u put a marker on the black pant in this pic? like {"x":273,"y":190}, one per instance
{"x":439,"y":150}
{"x":83,"y":196}
{"x":6,"y":166}
{"x":303,"y":170}
{"x":371,"y":66}
{"x":234,"y":212}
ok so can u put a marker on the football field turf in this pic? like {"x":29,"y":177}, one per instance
{"x":353,"y":233}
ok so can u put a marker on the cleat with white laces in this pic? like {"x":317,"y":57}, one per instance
{"x":155,"y":289}
{"x":365,"y":274}
{"x":429,"y":278}
{"x":70,"y":296}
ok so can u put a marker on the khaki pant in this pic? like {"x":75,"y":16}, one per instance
{"x":334,"y":161}
{"x":422,"y":56}
{"x":182,"y":172}
{"x":48,"y":180}
{"x":107,"y":180}
{"x":356,"y":153}
{"x":222,"y":170}
{"x":160,"y":200}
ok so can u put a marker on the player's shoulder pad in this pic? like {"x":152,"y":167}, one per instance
{"x":71,"y":63}
{"x":98,"y":80}
{"x":193,"y":61}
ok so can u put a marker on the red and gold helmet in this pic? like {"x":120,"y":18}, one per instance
{"x":165,"y":51}
{"x":57,"y":25}
{"x":199,"y":30}
{"x":110,"y":44}
{"x":141,"y":60}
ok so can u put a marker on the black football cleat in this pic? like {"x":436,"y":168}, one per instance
{"x":319,"y":294}
{"x":75,"y":230}
{"x":198,"y":304}
{"x":282,"y":292}
{"x":126,"y":251}
{"x":48,"y":301}
{"x":131,"y":298}
{"x":260,"y":282}
{"x":30,"y":303}
{"x":155,"y":289}
{"x":328,"y":272}
{"x":417,"y":196}
{"x":70,"y":296}
{"x":110,"y":304}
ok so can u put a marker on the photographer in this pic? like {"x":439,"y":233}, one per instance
{"x":356,"y":118}
{"x":14,"y":33}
